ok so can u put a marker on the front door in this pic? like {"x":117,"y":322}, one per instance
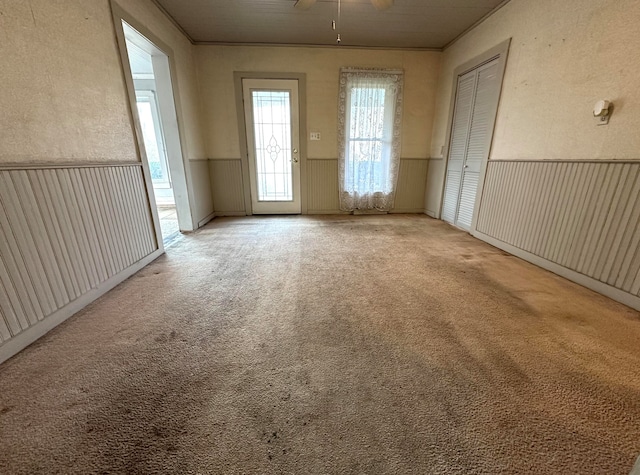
{"x":271,"y":114}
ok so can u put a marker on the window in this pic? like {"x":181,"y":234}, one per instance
{"x":151,"y":125}
{"x":369,"y":138}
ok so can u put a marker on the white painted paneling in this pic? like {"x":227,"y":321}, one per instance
{"x":227,"y":187}
{"x":64,"y":231}
{"x":202,"y":197}
{"x":322,"y":183}
{"x":583,"y":216}
{"x":412,"y":182}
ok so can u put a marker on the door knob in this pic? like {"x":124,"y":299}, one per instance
{"x":294,"y":159}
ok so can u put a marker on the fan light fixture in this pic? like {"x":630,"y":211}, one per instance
{"x":335,"y":25}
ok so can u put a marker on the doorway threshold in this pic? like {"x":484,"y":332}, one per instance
{"x":172,"y":239}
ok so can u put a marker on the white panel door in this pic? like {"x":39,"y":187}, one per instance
{"x":475,"y":108}
{"x":273,"y":142}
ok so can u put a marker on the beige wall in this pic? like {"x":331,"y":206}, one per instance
{"x":321,"y":65}
{"x":63,"y":96}
{"x":564,"y":56}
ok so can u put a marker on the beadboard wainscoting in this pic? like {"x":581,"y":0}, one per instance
{"x":200,"y":197}
{"x":321,"y":189}
{"x":579,"y":219}
{"x":68,"y":234}
{"x":322,"y":180}
{"x":412,"y":183}
{"x":227,"y":187}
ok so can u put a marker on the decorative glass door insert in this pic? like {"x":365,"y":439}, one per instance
{"x":272,"y":138}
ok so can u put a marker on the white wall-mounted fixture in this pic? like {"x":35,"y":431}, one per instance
{"x":602,"y":111}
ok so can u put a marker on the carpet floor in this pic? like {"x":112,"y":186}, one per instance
{"x":330,"y":345}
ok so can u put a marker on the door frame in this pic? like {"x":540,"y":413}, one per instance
{"x":180,"y":178}
{"x":294,"y":205}
{"x":238,"y":76}
{"x":499,"y":52}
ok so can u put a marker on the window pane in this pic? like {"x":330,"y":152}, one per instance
{"x":367,"y":113}
{"x":145,"y":113}
{"x":370,"y":108}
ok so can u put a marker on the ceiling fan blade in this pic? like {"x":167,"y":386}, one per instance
{"x":304,"y":4}
{"x":382,"y":4}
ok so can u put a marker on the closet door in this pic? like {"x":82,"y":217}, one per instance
{"x":458,"y":145}
{"x":475,"y":108}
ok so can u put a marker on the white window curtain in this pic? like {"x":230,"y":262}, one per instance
{"x":369,"y":120}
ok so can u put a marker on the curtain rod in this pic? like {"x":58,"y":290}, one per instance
{"x":371,"y":70}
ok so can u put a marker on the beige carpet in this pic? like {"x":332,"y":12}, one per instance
{"x":326,"y":345}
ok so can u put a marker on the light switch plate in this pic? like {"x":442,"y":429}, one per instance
{"x":314,"y":136}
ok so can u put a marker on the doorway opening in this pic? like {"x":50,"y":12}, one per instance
{"x":156,"y":114}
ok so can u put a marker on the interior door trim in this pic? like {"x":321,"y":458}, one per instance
{"x":289,"y":86}
{"x":181,"y":177}
{"x":499,"y":52}
{"x":238,"y":76}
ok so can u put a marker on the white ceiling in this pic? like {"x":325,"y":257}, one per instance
{"x":407,"y":24}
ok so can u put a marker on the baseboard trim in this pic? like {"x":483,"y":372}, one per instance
{"x":433,"y":214}
{"x":393,"y":211}
{"x":326,"y":211}
{"x":581,"y":279}
{"x":221,"y":214}
{"x":31,"y":334}
{"x":407,"y":211}
{"x":206,"y":219}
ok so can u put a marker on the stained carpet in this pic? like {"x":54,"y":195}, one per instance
{"x":330,"y":345}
